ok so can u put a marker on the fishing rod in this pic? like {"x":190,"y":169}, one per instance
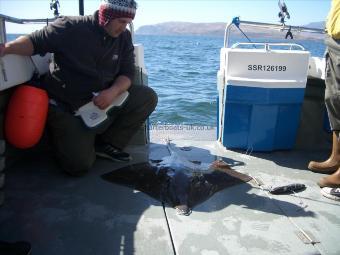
{"x":81,"y":7}
{"x":55,"y":5}
{"x":283,"y":14}
{"x":237,"y":22}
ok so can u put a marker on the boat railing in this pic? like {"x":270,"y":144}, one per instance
{"x":5,"y":18}
{"x":236,"y":22}
{"x":268,"y":46}
{"x":24,"y":21}
{"x":41,"y":63}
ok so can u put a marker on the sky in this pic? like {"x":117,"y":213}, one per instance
{"x":150,"y":12}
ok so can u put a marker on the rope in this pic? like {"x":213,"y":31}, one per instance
{"x":236,"y":22}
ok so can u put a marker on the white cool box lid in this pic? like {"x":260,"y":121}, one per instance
{"x":268,"y":69}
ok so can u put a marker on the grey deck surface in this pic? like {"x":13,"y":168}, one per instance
{"x":63,"y":215}
{"x":247,"y":220}
{"x":59,"y":214}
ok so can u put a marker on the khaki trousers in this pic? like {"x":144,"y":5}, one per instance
{"x":332,"y":80}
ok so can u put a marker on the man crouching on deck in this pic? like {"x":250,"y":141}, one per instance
{"x":92,"y":53}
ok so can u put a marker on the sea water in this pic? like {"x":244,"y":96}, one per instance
{"x":182,"y":70}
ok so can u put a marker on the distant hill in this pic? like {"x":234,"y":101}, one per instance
{"x":320,"y":25}
{"x":180,"y":28}
{"x":215,"y":29}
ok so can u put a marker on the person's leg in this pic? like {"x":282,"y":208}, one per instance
{"x":332,"y":101}
{"x":334,"y":179}
{"x":332,"y":81}
{"x":330,"y":165}
{"x":141,"y":103}
{"x":73,"y":143}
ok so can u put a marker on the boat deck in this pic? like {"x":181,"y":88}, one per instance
{"x":58,"y":214}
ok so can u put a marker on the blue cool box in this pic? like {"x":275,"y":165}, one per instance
{"x":261,"y":119}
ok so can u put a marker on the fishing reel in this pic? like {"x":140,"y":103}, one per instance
{"x":54,"y":5}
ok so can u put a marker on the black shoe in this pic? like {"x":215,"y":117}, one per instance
{"x":332,"y":193}
{"x":18,"y":248}
{"x":109,"y":152}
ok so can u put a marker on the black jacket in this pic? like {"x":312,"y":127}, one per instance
{"x":85,"y":60}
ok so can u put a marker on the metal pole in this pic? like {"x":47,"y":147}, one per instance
{"x":81,"y":7}
{"x":132,"y":31}
{"x":227,"y":34}
{"x":2,"y":30}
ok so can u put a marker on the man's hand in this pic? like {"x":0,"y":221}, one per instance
{"x":105,"y":98}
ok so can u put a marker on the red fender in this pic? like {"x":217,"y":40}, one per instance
{"x":26,"y":116}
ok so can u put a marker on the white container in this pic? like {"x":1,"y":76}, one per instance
{"x":270,"y":69}
{"x":260,"y":97}
{"x":139,"y":56}
{"x":317,"y":68}
{"x":14,"y":70}
{"x":41,"y":63}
